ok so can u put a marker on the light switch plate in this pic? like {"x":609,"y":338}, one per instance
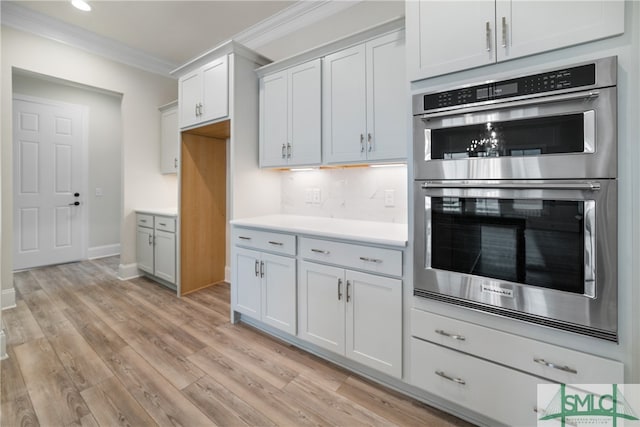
{"x":389,"y":198}
{"x":308,"y":195}
{"x":316,"y":196}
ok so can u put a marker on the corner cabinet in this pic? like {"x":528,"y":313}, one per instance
{"x":443,"y":37}
{"x":365,"y":93}
{"x":290,"y":116}
{"x":204,"y":93}
{"x":169,"y":138}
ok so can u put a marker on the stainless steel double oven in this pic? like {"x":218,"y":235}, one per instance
{"x":516,"y":197}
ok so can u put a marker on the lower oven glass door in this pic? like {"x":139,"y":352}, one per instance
{"x":542,"y":251}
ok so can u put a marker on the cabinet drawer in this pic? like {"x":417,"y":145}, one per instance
{"x":556,"y":363}
{"x":497,"y":392}
{"x":144,"y":220}
{"x":367,"y":258}
{"x":165,"y":223}
{"x":265,"y":240}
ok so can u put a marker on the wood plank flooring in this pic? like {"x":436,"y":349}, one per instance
{"x":86,"y":349}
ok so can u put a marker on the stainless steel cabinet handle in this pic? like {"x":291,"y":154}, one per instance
{"x":320,"y":251}
{"x":339,"y":289}
{"x":256,"y":268}
{"x":175,"y":162}
{"x":362,"y":143}
{"x":288,"y":151}
{"x":447,"y":377}
{"x":162,"y":224}
{"x":197,"y":113}
{"x":150,"y":240}
{"x":348,"y":296}
{"x":366,"y":259}
{"x":555,"y":366}
{"x":261,"y":268}
{"x":504,"y":32}
{"x":143,"y":220}
{"x":244,"y":238}
{"x":452,"y":336}
{"x":515,"y":185}
{"x":283,"y":151}
{"x":275,"y":243}
{"x":369,"y":145}
{"x":488,"y":33}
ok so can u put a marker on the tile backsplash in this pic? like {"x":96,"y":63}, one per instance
{"x":365,"y":193}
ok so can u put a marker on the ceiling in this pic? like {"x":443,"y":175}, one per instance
{"x":173,"y":31}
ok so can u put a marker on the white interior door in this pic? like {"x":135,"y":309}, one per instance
{"x":47,"y":177}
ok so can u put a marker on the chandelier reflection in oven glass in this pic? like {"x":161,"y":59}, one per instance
{"x":487,"y":145}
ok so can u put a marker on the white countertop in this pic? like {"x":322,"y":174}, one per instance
{"x":382,"y":233}
{"x":160,"y":211}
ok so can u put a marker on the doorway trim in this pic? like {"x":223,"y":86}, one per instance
{"x":84,"y":187}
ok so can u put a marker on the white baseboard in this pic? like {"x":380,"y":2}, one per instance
{"x":3,"y":345}
{"x":103,"y":251}
{"x":227,"y":274}
{"x":128,"y":271}
{"x":8,"y":298}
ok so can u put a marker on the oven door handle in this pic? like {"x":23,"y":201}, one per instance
{"x":588,"y":186}
{"x":500,"y":104}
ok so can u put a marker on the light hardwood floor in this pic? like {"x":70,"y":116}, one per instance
{"x":87,"y":349}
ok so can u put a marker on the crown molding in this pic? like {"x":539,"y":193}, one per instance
{"x":24,"y":19}
{"x":290,"y":19}
{"x":299,"y":15}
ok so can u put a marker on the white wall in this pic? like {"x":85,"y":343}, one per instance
{"x":142,"y":92}
{"x":104,"y":150}
{"x":348,"y":193}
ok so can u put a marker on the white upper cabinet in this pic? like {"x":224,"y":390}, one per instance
{"x":443,"y":37}
{"x":290,"y":116}
{"x":364,"y":97}
{"x":204,"y":93}
{"x":169,"y":138}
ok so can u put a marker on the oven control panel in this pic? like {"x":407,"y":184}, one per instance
{"x":584,"y":75}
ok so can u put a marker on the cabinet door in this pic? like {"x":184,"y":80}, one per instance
{"x":144,"y":249}
{"x":443,"y":37}
{"x":387,"y":93}
{"x":273,"y":120}
{"x":527,"y":27}
{"x":374,"y":321}
{"x":169,"y":141}
{"x":279,"y":292}
{"x":321,"y":292}
{"x":344,"y":106}
{"x":165,"y":256}
{"x":246,"y":277}
{"x":190,"y":88}
{"x":215,"y":89}
{"x":305,"y":125}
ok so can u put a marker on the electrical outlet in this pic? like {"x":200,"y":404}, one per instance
{"x":308,"y":195}
{"x":316,"y":196}
{"x":389,"y":198}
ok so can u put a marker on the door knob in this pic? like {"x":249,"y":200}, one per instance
{"x":76,"y":194}
{"x":74,"y":204}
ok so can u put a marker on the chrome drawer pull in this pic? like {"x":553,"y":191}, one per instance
{"x":554,"y":366}
{"x":339,"y":289}
{"x":366,"y":259}
{"x":275,"y":243}
{"x":162,"y":224}
{"x":452,"y":336}
{"x":143,"y":220}
{"x":446,"y":377}
{"x":320,"y":251}
{"x":244,"y":238}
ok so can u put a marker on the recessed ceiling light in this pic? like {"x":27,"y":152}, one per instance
{"x":81,"y":4}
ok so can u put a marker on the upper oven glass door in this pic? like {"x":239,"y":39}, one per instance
{"x":556,"y":137}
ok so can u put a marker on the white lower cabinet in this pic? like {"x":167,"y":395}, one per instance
{"x":503,"y":394}
{"x":265,"y":287}
{"x":156,"y":246}
{"x":358,"y":315}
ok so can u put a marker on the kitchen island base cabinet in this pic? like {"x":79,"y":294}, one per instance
{"x":355,"y":314}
